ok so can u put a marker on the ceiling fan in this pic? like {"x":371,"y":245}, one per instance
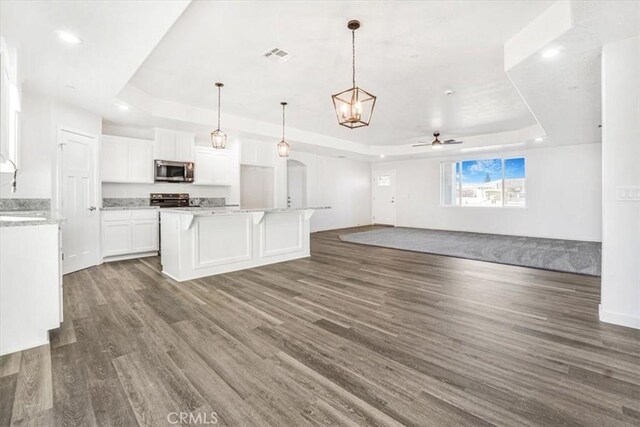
{"x":436,"y":143}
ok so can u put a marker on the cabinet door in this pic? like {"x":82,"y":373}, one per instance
{"x":145,"y":236}
{"x":249,"y":152}
{"x":184,"y":147}
{"x":114,"y":160}
{"x":165,"y":145}
{"x":222,"y":168}
{"x":204,"y":164}
{"x":140,"y":161}
{"x":116,"y":238}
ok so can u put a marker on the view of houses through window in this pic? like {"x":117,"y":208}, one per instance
{"x":486,"y":182}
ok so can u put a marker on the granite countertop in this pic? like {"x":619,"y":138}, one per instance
{"x":43,"y":218}
{"x":127,"y":208}
{"x":204,"y":211}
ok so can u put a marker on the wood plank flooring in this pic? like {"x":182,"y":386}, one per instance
{"x":354,"y":335}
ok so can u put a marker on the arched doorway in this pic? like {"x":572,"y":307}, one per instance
{"x":296,"y":184}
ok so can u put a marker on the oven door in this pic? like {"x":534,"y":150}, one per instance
{"x":170,"y":171}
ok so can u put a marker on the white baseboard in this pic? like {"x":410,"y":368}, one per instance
{"x":619,"y":318}
{"x":129,"y":256}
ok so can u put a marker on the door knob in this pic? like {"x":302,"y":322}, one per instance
{"x":92,"y":208}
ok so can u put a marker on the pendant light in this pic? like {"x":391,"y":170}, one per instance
{"x":218,"y":138}
{"x":283,"y":146}
{"x":354,"y":107}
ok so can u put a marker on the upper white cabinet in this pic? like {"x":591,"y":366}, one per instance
{"x":257,"y":153}
{"x":173,"y":145}
{"x":213,"y":166}
{"x":126,"y":160}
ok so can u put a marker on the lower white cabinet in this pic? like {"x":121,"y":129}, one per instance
{"x":129,"y":233}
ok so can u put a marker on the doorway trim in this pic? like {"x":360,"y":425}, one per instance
{"x":57,"y":193}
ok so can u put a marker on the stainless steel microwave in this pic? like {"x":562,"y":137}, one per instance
{"x":166,"y":170}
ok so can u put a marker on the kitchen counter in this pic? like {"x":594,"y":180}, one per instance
{"x":28,"y":218}
{"x":204,"y":211}
{"x":200,"y":242}
{"x":128,"y":208}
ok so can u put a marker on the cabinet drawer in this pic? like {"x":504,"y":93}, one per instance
{"x":144,"y":214}
{"x":116,"y":215}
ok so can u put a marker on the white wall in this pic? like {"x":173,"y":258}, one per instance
{"x":563,"y":187}
{"x":343,"y":184}
{"x":620,"y":298}
{"x":41,"y":118}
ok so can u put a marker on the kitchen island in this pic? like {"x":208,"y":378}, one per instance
{"x":200,"y":242}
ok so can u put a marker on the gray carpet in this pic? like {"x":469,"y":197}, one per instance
{"x":549,"y":254}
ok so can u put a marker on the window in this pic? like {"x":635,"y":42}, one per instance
{"x":384,"y":180}
{"x":486,"y":182}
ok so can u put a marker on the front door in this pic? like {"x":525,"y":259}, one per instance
{"x":384,"y":197}
{"x":296,"y":184}
{"x":78,"y":205}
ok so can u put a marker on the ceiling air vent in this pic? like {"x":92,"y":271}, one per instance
{"x":277,"y":55}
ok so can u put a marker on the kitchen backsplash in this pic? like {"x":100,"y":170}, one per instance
{"x":25,"y":204}
{"x":116,"y":202}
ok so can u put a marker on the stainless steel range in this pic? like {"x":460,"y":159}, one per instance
{"x":169,"y":200}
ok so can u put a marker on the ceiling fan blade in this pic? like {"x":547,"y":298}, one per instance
{"x":422,"y":144}
{"x":452,"y":141}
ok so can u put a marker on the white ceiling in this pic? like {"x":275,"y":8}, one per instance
{"x":117,"y":37}
{"x":162,"y":57}
{"x":408,"y":54}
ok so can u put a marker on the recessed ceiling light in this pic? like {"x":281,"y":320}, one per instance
{"x":539,"y":139}
{"x":382,"y":156}
{"x":449,"y":92}
{"x":550,"y":53}
{"x":69,"y":37}
{"x":123,"y":107}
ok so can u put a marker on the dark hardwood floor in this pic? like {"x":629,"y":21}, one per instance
{"x":354,"y":335}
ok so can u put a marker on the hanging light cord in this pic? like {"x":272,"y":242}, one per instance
{"x":283,"y":105}
{"x":353,"y":58}
{"x":218,"y":107}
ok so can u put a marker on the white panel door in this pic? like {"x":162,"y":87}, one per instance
{"x":78,"y":202}
{"x":296,"y":184}
{"x":384,"y":197}
{"x":140,"y":161}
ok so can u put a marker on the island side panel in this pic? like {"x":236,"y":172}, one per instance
{"x":170,"y":244}
{"x":208,"y":244}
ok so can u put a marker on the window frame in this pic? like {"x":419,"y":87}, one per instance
{"x":459,"y":182}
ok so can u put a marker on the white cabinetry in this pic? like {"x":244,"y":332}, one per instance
{"x":173,"y":145}
{"x":213,"y":166}
{"x":126,"y":160}
{"x":257,"y":153}
{"x":129,"y":233}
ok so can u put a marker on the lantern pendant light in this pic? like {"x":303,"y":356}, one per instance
{"x":283,"y":146}
{"x":218,"y":138}
{"x":354,"y":107}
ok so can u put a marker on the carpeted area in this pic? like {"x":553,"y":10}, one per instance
{"x":550,"y":254}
